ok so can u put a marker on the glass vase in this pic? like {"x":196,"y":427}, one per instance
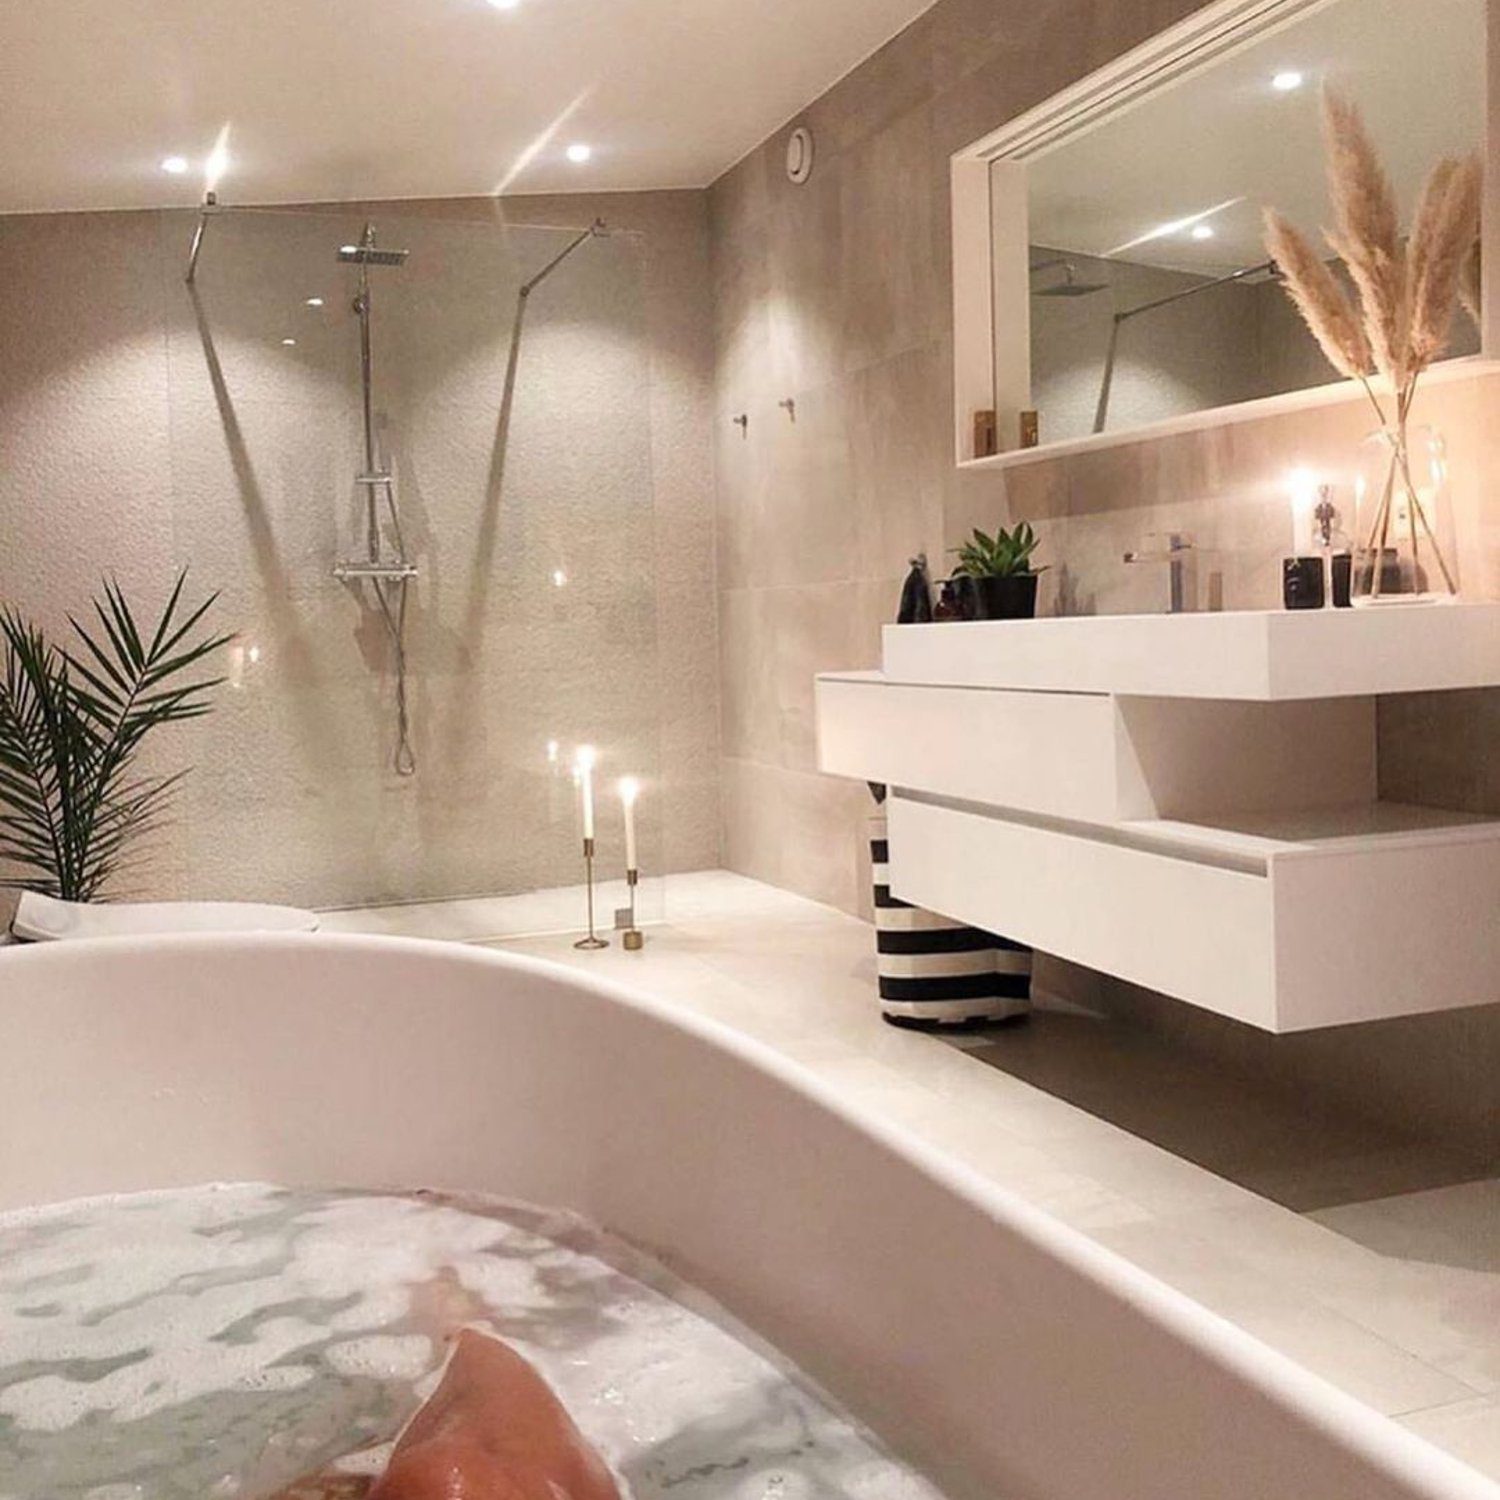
{"x":1403,"y":545}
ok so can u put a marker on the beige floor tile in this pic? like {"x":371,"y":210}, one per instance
{"x":1469,"y":1430}
{"x":1282,"y":1315}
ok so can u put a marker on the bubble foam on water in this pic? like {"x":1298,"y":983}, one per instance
{"x":225,"y":1341}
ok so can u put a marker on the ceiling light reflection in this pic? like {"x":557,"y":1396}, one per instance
{"x":1175,"y":226}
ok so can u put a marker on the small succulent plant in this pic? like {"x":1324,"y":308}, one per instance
{"x":1007,"y":554}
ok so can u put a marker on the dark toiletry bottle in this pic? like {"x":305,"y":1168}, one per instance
{"x":916,"y":594}
{"x":1341,"y":574}
{"x":1334,"y":546}
{"x":1302,"y":583}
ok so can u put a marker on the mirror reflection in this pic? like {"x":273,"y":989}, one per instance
{"x":1150,"y":293}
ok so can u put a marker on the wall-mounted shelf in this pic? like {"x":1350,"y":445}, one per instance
{"x":1187,"y":802}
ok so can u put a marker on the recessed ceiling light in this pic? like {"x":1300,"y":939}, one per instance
{"x":176,"y":165}
{"x":1285,"y":83}
{"x":505,"y":4}
{"x":1202,"y":232}
{"x":314,"y":302}
{"x":578,"y":153}
{"x":289,"y":343}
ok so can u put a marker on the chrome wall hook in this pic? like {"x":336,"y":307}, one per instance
{"x":789,"y":406}
{"x":743,"y":423}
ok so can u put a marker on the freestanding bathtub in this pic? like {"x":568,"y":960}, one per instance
{"x":1005,"y":1354}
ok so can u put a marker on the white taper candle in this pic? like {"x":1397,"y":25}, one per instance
{"x":630,"y":789}
{"x":584,"y":763}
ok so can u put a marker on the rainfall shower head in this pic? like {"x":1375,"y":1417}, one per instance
{"x":1070,"y":285}
{"x":371,"y":255}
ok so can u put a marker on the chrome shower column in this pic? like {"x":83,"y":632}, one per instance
{"x":389,"y":574}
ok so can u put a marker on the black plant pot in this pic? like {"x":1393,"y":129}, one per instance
{"x":1012,"y":598}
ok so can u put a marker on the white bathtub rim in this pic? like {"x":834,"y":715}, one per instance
{"x":1346,"y":1421}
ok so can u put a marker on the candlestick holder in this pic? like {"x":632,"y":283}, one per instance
{"x":634,"y":939}
{"x":593,"y":941}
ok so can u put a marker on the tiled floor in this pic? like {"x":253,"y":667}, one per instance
{"x":1374,"y":1262}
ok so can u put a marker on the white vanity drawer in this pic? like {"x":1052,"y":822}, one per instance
{"x":1040,"y":752}
{"x":1315,"y":919}
{"x":1191,"y":930}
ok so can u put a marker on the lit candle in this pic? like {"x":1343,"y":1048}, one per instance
{"x":584,"y":764}
{"x":630,"y":789}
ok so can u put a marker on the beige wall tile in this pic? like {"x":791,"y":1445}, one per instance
{"x":805,"y":299}
{"x":892,"y":300}
{"x":896,"y":79}
{"x":748,"y":667}
{"x":805,"y":480}
{"x":815,"y":629}
{"x":899,"y":446}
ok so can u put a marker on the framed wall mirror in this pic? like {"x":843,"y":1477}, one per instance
{"x":1111,"y":277}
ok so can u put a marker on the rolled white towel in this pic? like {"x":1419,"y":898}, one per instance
{"x":44,"y":919}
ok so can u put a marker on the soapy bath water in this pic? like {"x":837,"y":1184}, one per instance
{"x":219,"y":1343}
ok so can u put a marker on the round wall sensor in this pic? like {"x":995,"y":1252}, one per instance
{"x":799,"y":154}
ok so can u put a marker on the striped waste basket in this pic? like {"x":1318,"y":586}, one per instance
{"x":935,"y":971}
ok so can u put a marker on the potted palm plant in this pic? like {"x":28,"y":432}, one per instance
{"x":999,"y":577}
{"x":72,"y":720}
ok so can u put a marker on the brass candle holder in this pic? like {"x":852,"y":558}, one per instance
{"x":634,"y":939}
{"x":593,"y":941}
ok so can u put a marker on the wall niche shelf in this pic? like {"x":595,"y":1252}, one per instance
{"x":1188,"y":802}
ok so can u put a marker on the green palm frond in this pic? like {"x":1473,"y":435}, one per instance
{"x":71,"y":722}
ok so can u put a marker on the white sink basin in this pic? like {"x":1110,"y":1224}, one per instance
{"x":1257,"y":655}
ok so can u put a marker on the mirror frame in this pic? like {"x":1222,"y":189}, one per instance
{"x":992,"y":353}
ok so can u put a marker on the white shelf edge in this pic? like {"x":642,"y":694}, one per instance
{"x":1337,"y":393}
{"x":1239,"y":850}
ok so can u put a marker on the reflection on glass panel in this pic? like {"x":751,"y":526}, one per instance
{"x":1151,"y":291}
{"x":506,"y":474}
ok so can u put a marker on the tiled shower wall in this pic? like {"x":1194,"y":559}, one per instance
{"x":135,"y":439}
{"x":836,"y":296}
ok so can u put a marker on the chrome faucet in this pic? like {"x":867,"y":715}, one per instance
{"x":1176,"y":550}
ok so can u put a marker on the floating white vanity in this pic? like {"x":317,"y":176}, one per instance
{"x":1188,"y":802}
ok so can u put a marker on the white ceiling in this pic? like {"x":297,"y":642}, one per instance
{"x":1225,"y":136}
{"x":348,"y":99}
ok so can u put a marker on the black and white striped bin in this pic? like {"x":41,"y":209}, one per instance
{"x":935,"y":971}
